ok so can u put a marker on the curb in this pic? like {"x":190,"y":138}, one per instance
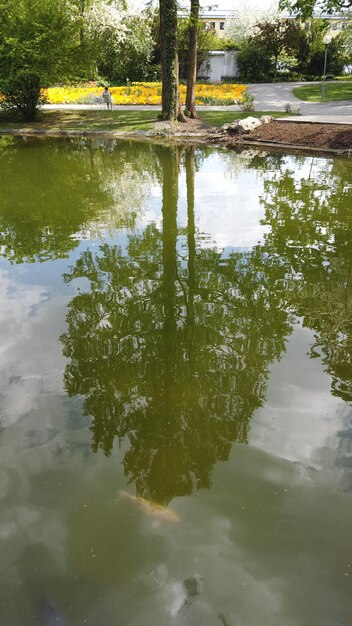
{"x":294,"y":120}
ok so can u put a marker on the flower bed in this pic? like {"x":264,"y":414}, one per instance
{"x":145,"y":93}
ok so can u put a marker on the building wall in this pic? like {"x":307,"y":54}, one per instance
{"x":336,"y":25}
{"x":219,"y":63}
{"x":217,"y":24}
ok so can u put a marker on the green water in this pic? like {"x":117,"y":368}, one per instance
{"x":175,"y":323}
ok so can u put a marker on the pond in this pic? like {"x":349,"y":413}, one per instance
{"x":176,"y":386}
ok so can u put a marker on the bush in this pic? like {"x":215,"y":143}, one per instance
{"x":247,"y":102}
{"x":254,"y":63}
{"x":22,"y":95}
{"x":230,"y":80}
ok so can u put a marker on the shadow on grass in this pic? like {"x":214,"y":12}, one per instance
{"x":85,"y":120}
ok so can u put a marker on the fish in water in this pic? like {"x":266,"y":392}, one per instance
{"x":154,"y":510}
{"x":179,"y":594}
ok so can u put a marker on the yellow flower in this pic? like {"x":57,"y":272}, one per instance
{"x":142,"y":93}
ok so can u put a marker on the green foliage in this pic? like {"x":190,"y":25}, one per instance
{"x":247,"y":103}
{"x":300,"y":51}
{"x":225,"y":44}
{"x":254,"y":63}
{"x":38,"y":45}
{"x":280,"y":36}
{"x":214,"y":101}
{"x":306,"y":8}
{"x":130,"y":58}
{"x":312,"y":62}
{"x":336,"y":57}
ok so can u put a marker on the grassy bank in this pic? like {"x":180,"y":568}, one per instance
{"x":126,"y":121}
{"x":219,"y":118}
{"x":333,"y":91}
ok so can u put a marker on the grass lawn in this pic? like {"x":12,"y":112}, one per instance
{"x":127,"y":121}
{"x":333,"y":91}
{"x":219,"y":118}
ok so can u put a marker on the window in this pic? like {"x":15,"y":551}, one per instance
{"x":222,"y":25}
{"x":212,"y":25}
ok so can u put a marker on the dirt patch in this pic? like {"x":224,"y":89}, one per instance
{"x":314,"y":136}
{"x":296,"y":134}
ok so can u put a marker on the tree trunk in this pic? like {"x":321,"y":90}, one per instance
{"x":180,"y":114}
{"x":192,"y":60}
{"x":170,"y":101}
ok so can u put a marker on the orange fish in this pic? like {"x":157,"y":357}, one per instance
{"x":154,"y":510}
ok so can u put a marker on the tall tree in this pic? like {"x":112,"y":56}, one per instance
{"x":279,"y":36}
{"x":192,"y":61}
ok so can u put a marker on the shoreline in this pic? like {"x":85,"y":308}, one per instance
{"x":297,"y":137}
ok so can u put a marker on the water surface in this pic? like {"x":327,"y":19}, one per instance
{"x":175,"y":323}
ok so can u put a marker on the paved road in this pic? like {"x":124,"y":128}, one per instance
{"x":268,"y":97}
{"x":274,"y":96}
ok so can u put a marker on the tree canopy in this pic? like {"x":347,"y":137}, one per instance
{"x":306,"y":8}
{"x":38,"y":45}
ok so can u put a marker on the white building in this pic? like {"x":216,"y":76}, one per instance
{"x":217,"y":65}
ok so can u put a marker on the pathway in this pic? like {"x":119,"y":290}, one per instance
{"x":274,"y":96}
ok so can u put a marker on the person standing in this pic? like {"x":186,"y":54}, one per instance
{"x":107,"y":97}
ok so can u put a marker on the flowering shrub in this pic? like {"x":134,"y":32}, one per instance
{"x":145,"y":93}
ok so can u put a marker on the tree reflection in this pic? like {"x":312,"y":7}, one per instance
{"x":310,"y":230}
{"x":53,"y":192}
{"x":171,"y":349}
